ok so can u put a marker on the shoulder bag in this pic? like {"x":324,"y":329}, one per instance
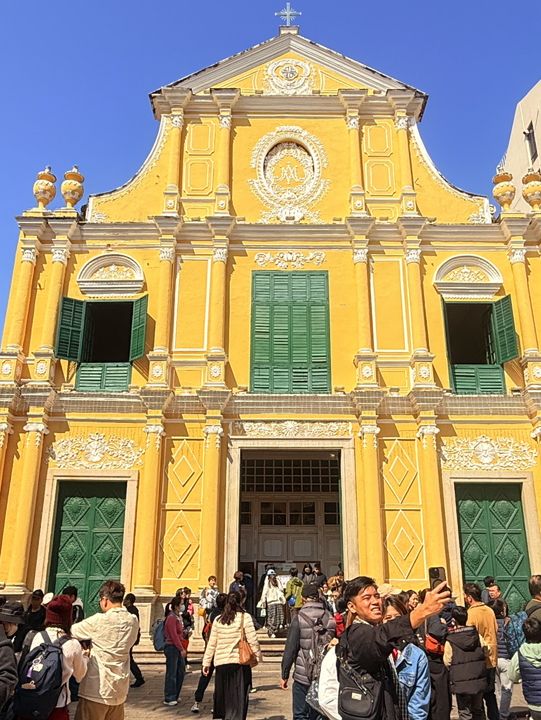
{"x":246,"y":655}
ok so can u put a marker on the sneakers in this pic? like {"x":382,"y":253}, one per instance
{"x":195,"y":707}
{"x":171,"y":703}
{"x":138,"y":683}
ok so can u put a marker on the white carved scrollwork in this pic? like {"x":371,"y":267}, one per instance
{"x":213,"y":430}
{"x":413,"y":255}
{"x":517,"y":255}
{"x":60,"y":255}
{"x":285,"y":260}
{"x":360,"y":255}
{"x":220,"y":254}
{"x":292,"y":428}
{"x":402,"y":122}
{"x":428,"y":431}
{"x":352,"y":122}
{"x":96,"y":452}
{"x":167,"y":254}
{"x":29,"y":255}
{"x":157,"y":430}
{"x":486,"y":453}
{"x":111,"y":274}
{"x":289,"y":77}
{"x":5,"y":430}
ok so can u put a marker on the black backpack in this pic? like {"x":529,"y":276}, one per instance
{"x":40,"y":680}
{"x":318,"y":643}
{"x":360,"y":694}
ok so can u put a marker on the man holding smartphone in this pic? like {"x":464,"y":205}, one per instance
{"x":112,"y":633}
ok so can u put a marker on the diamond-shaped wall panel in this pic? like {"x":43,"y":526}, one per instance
{"x":184,"y":472}
{"x":404,"y":544}
{"x":180,"y":544}
{"x":400,"y":475}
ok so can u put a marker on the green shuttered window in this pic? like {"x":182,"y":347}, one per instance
{"x":290,"y":332}
{"x":104,"y":338}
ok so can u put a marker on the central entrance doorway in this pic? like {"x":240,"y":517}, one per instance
{"x":289,"y":511}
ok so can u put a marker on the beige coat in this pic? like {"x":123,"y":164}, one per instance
{"x":223,"y":644}
{"x":113,"y":634}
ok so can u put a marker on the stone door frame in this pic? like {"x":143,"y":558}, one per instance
{"x":48,"y":518}
{"x":348,"y":489}
{"x":529,"y":511}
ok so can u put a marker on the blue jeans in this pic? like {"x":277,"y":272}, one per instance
{"x":301,"y":709}
{"x":175,"y":668}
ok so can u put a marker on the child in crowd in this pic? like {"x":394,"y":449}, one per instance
{"x":525,"y":665}
{"x":465,"y":657}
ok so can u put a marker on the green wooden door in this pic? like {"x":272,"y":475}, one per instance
{"x":493,"y":538}
{"x":87,"y":545}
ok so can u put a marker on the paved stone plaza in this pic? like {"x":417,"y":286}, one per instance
{"x":268,"y":703}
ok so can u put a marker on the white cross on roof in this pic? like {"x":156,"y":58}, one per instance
{"x":288,"y":14}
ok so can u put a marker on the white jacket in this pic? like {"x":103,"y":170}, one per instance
{"x":113,"y":634}
{"x":272,"y":594}
{"x":73,"y":661}
{"x":329,"y":686}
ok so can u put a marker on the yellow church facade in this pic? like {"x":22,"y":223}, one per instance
{"x":286,"y":339}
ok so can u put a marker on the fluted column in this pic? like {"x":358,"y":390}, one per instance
{"x":18,"y":309}
{"x":23,"y":511}
{"x":172,"y":189}
{"x":433,"y":513}
{"x":225,"y":99}
{"x":408,"y":200}
{"x":54,"y":295}
{"x":212,"y":489}
{"x":216,"y":356}
{"x":517,"y":258}
{"x":371,"y":534}
{"x":365,"y":359}
{"x":417,"y":305}
{"x":148,"y":511}
{"x":6,"y":430}
{"x":357,"y":193}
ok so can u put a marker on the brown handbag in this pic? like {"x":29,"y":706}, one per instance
{"x":246,"y":655}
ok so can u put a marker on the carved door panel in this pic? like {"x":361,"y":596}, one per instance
{"x":87,"y":545}
{"x":493,"y":538}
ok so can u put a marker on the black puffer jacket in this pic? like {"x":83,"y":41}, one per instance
{"x":468,"y":671}
{"x":8,"y":670}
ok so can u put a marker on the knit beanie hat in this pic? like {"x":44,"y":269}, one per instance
{"x":59,"y":612}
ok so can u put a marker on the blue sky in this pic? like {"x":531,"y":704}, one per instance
{"x":76,"y":77}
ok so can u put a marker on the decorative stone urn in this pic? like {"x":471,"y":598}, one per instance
{"x":44,"y":189}
{"x":504,"y":191}
{"x":531,"y":189}
{"x":72,"y":187}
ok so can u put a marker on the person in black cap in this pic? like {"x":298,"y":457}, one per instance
{"x":35,"y":614}
{"x":299,"y":650}
{"x":12,"y":621}
{"x":8,"y":663}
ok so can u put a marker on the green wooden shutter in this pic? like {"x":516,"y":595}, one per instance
{"x":103,"y":377}
{"x":319,"y":348}
{"x":478,"y":379}
{"x":70,"y":329}
{"x":503,"y":330}
{"x":261,"y":333}
{"x":138,"y":328}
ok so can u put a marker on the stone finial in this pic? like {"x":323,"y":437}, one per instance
{"x":504,"y":191}
{"x":531,"y":189}
{"x":72,"y":187}
{"x":44,"y":189}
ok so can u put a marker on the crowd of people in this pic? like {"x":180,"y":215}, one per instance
{"x":355,"y":650}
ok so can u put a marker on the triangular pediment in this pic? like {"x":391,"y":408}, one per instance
{"x":269,"y":66}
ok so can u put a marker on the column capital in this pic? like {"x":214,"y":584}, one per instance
{"x":40,"y":428}
{"x":60,"y":255}
{"x":219,"y":254}
{"x":156,"y":429}
{"x":29,"y":254}
{"x":167,"y":253}
{"x":367,"y":429}
{"x":402,"y":122}
{"x":215,"y":431}
{"x":428,"y":431}
{"x":352,"y":120}
{"x":413,"y":255}
{"x":5,"y":429}
{"x":360,"y":255}
{"x":517,"y":255}
{"x":176,"y":119}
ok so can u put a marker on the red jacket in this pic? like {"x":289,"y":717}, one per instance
{"x":340,"y":624}
{"x":173,"y":631}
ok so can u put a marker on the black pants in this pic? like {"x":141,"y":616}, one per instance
{"x":135,"y":670}
{"x":203,"y":684}
{"x":490,"y":696}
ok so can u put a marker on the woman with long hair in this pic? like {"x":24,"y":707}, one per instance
{"x":175,"y":651}
{"x":274,"y":597}
{"x":308,"y":575}
{"x":410,"y":669}
{"x":58,"y":615}
{"x":233,"y":680}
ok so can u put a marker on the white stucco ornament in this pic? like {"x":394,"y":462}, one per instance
{"x":289,"y":77}
{"x":290,"y":259}
{"x":292,"y":428}
{"x":289,"y":165}
{"x":96,"y":451}
{"x":486,"y":453}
